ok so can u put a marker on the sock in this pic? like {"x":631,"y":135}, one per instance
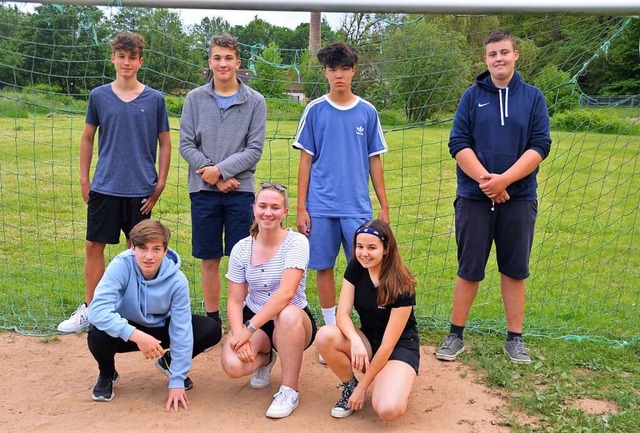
{"x":285,"y":387}
{"x":512,"y":335}
{"x":329,"y":315}
{"x":215,"y":315}
{"x":455,"y":329}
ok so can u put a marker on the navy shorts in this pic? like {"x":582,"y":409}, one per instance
{"x":268,"y":327}
{"x":213,"y":213}
{"x":510,"y":226}
{"x":407,"y":348}
{"x":108,"y":214}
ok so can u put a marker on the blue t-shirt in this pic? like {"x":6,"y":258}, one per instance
{"x":225,"y":101}
{"x":127,"y":140}
{"x":341,"y":140}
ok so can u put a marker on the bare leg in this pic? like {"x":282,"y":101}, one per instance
{"x":93,"y":268}
{"x":391,"y":389}
{"x":291,"y":334}
{"x":234,"y":367}
{"x":463,"y":295}
{"x":210,"y":272}
{"x":513,"y":296}
{"x":336,"y":350}
{"x":326,"y":288}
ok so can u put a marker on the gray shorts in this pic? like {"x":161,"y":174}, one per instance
{"x":510,"y":226}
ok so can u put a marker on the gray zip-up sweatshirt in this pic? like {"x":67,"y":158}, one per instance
{"x":231,"y":139}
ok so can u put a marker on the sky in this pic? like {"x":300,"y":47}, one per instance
{"x":284,"y":19}
{"x":234,"y":17}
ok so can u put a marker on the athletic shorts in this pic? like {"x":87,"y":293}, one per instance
{"x":510,"y":226}
{"x":325,"y":238}
{"x":108,"y":214}
{"x":407,"y":348}
{"x":213,"y":213}
{"x":268,"y":327}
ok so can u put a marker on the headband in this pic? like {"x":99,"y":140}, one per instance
{"x":371,"y":231}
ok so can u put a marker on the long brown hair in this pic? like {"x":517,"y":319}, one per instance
{"x":395,"y":277}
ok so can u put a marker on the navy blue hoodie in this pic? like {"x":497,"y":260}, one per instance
{"x":500,"y":125}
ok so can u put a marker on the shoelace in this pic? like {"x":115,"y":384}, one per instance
{"x":347,"y":390}
{"x":448,"y":342}
{"x":280,"y":398}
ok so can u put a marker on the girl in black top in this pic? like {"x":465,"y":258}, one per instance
{"x":387,"y":346}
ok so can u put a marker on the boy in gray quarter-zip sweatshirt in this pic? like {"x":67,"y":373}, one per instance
{"x":222,"y":133}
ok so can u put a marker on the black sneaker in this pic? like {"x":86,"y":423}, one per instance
{"x":164,"y":366}
{"x":341,"y":409}
{"x":103,"y":391}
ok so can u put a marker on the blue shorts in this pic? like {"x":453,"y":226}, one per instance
{"x":213,"y":213}
{"x":510,"y":226}
{"x":108,"y":214}
{"x":325,"y":238}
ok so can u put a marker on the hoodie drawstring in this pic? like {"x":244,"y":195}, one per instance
{"x":504,"y":109}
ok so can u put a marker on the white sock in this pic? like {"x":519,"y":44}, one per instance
{"x":329,"y":315}
{"x":285,"y":387}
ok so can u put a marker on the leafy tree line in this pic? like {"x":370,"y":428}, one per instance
{"x":416,"y":65}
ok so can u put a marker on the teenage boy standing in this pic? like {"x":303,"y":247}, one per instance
{"x":132,"y":121}
{"x":222,"y":132}
{"x":500,"y":135}
{"x":341,"y":140}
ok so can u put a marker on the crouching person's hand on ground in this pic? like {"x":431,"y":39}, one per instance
{"x":177,"y":396}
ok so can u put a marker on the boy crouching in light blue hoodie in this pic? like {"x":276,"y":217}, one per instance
{"x":142,"y":303}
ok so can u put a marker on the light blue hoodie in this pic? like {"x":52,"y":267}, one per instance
{"x":123,"y":295}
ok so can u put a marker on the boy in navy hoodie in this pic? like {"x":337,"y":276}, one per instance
{"x":500,"y":135}
{"x":142,"y":303}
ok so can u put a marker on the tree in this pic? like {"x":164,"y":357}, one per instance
{"x":10,"y":58}
{"x":271,"y":75}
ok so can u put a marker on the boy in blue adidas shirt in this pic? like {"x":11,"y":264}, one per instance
{"x":341,"y":141}
{"x":500,"y":135}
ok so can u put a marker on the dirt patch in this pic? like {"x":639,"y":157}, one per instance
{"x":46,"y":386}
{"x":596,"y":407}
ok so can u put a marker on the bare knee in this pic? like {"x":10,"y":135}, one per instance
{"x":389,"y":410}
{"x":289,"y":319}
{"x":232,"y":366}
{"x":327,"y":337}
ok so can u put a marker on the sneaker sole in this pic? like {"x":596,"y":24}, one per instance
{"x":282,"y":415}
{"x":515,"y":360}
{"x":340,"y":413}
{"x":453,"y":357}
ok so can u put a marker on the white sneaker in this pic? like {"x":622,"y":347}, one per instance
{"x":321,"y":360}
{"x":78,"y":321}
{"x":261,"y":378}
{"x":284,"y":402}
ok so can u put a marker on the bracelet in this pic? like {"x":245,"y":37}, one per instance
{"x":250,"y":327}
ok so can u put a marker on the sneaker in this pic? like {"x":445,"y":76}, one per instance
{"x":341,"y":409}
{"x":284,"y":402}
{"x":452,"y":347}
{"x":164,"y":366}
{"x":261,"y":378}
{"x":321,"y":360}
{"x":103,"y":391}
{"x":517,"y":351}
{"x":77,"y":322}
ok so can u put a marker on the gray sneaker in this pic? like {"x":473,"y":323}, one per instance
{"x":451,"y":348}
{"x":517,"y":351}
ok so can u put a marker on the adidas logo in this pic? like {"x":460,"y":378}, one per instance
{"x":360,"y":130}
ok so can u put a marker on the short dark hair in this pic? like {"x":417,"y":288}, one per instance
{"x":132,"y":42}
{"x":149,"y":230}
{"x":225,"y":40}
{"x":499,"y":36}
{"x":338,"y":54}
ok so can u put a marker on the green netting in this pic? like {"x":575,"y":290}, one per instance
{"x":584,"y":267}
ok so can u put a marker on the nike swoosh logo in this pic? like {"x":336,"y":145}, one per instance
{"x":482,"y":105}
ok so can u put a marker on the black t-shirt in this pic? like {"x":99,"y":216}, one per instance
{"x":373,"y":318}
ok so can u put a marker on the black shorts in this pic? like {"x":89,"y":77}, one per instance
{"x":108,"y":214}
{"x":510,"y":226}
{"x":407,"y":348}
{"x":268,"y":327}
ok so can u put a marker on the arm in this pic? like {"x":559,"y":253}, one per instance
{"x":303,"y":221}
{"x":359,"y":355}
{"x":392,"y":333}
{"x":86,"y":154}
{"x":189,"y":145}
{"x":494,"y":184}
{"x":164,"y":160}
{"x":469,"y":163}
{"x":377,"y":179}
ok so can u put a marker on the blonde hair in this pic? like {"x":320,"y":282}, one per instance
{"x":253,"y":231}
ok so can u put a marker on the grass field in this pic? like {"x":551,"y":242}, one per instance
{"x":583,"y":296}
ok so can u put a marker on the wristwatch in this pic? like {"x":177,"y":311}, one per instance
{"x":250,"y":327}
